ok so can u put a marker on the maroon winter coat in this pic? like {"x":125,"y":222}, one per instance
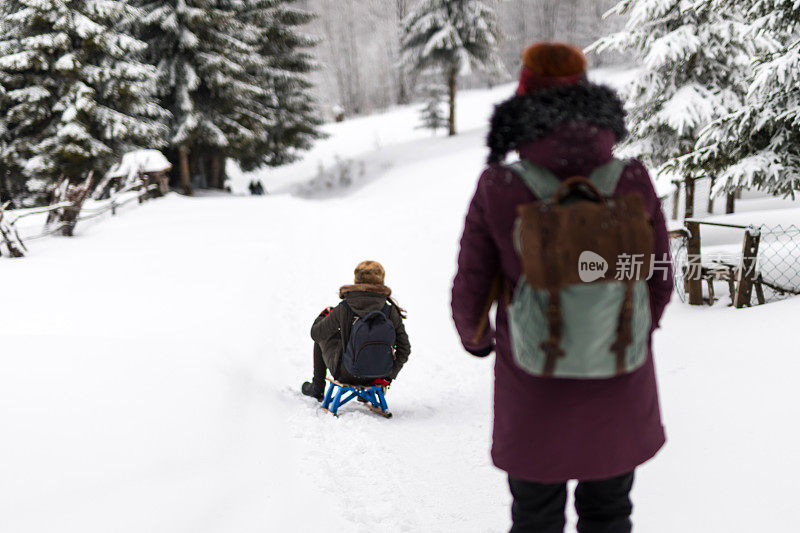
{"x":552,"y":430}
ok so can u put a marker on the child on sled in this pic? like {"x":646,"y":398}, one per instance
{"x":332,"y":328}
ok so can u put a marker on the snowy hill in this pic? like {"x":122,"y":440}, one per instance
{"x":364,"y":140}
{"x":150,"y":370}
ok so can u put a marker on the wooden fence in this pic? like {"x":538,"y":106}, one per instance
{"x":63,"y":216}
{"x":770,"y":272}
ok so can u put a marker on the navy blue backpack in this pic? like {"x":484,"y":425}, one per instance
{"x":369,"y":353}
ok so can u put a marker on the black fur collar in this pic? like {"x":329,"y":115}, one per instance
{"x":527,"y":118}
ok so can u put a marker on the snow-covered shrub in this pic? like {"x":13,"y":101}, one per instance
{"x":431,"y":115}
{"x":341,"y":175}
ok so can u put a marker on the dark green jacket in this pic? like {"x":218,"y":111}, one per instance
{"x":333,"y":331}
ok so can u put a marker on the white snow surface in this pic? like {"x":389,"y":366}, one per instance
{"x":150,"y":371}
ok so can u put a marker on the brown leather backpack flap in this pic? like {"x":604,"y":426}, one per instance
{"x":558,"y":242}
{"x":636,"y":238}
{"x":532,"y":228}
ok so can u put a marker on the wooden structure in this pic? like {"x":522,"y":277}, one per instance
{"x":748,"y":274}
{"x":693,"y":276}
{"x":70,"y":198}
{"x":145,"y":170}
{"x":9,"y":237}
{"x":199,"y":167}
{"x":742,"y":279}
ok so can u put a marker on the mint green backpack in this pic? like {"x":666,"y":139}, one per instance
{"x":586,"y":330}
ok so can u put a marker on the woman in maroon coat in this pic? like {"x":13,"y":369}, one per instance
{"x":548,"y":431}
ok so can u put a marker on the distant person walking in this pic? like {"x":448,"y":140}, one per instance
{"x":331,"y":329}
{"x":575,"y":389}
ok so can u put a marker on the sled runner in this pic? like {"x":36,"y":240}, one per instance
{"x":371,"y":395}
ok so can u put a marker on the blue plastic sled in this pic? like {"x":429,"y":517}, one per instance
{"x":372,"y":396}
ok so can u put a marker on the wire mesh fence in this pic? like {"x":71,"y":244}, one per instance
{"x":779,"y":261}
{"x":774,"y":272}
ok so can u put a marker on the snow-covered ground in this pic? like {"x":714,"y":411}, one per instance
{"x":150,"y":371}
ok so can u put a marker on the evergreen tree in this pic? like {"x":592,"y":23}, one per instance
{"x":5,"y":180}
{"x":283,"y":73}
{"x":431,"y":116}
{"x":7,"y":188}
{"x":453,"y":36}
{"x":693,"y":61}
{"x":76,"y":97}
{"x":204,"y":58}
{"x":758,"y":144}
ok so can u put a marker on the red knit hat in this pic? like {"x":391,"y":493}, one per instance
{"x":547,"y":65}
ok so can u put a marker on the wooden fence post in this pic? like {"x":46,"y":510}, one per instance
{"x":730,"y":200}
{"x":214,"y":170}
{"x":688,"y":212}
{"x":747,"y":269}
{"x":75,"y":195}
{"x":710,"y":206}
{"x":676,"y":200}
{"x":183,"y":168}
{"x":7,"y":235}
{"x":694,"y":283}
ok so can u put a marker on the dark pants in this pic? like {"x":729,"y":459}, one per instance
{"x":603,"y":506}
{"x":318,"y":381}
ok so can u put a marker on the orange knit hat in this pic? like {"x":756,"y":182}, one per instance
{"x":550,"y":65}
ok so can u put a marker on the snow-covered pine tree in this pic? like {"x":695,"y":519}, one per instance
{"x":453,"y":36}
{"x":7,"y":191}
{"x":757,"y":145}
{"x":12,"y":182}
{"x":76,"y":95}
{"x":693,"y":59}
{"x":431,"y":116}
{"x":283,"y":73}
{"x":204,"y":57}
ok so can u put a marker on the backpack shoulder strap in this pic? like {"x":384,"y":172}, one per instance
{"x":356,"y":316}
{"x":544,"y":183}
{"x":386,"y":309}
{"x":539,"y":180}
{"x":606,"y":177}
